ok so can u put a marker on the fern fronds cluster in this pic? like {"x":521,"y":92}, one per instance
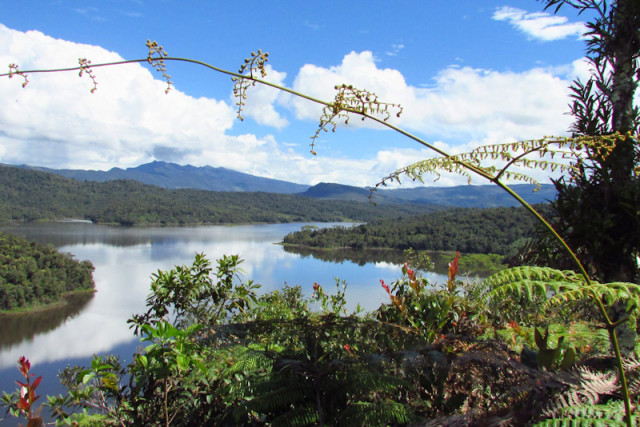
{"x":529,"y":281}
{"x":559,"y":287}
{"x":607,"y":292}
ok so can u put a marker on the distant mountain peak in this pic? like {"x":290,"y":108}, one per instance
{"x":175,"y":176}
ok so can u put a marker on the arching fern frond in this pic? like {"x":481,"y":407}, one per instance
{"x":529,"y":281}
{"x":607,"y":292}
{"x":241,"y":359}
{"x":560,"y":286}
{"x":571,"y":152}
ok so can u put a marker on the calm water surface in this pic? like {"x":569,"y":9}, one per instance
{"x":125,"y":259}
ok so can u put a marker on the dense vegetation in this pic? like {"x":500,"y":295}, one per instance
{"x":495,"y":230}
{"x":32,"y":195}
{"x":437,"y":354}
{"x":34,"y":274}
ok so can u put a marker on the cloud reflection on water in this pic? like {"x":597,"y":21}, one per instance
{"x":125,"y":259}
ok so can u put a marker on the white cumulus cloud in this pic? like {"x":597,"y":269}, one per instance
{"x":463,"y":104}
{"x":56,"y":122}
{"x":539,"y":25}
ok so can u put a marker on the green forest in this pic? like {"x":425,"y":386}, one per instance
{"x":500,"y":231}
{"x":32,"y":274}
{"x":27,"y":195}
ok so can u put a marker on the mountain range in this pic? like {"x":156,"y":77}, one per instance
{"x":174,"y":176}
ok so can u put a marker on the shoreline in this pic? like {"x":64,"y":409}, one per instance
{"x":160,"y":224}
{"x":63,"y":301}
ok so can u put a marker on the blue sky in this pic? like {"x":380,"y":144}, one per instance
{"x":467,"y":72}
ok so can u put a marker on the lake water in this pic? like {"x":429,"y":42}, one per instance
{"x":125,"y":259}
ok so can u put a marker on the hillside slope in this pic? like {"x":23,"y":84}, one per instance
{"x":28,"y":195}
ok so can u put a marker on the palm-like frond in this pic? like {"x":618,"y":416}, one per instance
{"x":607,"y":292}
{"x":570,"y":153}
{"x":529,"y":281}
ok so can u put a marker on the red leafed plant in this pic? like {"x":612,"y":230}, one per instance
{"x":395,"y":300}
{"x":453,"y":272}
{"x":27,"y":395}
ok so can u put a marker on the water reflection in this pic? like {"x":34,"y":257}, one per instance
{"x":17,"y":328}
{"x":125,"y":259}
{"x":363,"y":257}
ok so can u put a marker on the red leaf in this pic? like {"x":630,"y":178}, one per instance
{"x":24,"y":404}
{"x":385,"y":286}
{"x":410,"y":273}
{"x":25,"y":365}
{"x":36,"y":383}
{"x":453,"y":267}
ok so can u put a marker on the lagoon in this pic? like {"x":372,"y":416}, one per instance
{"x":126,"y":257}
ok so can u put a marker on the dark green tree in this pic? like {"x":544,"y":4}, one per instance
{"x":598,"y":209}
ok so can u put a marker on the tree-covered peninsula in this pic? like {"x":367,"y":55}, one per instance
{"x":471,"y":230}
{"x":32,"y":274}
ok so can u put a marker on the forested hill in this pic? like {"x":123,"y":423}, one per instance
{"x":463,"y":196}
{"x":35,"y":274}
{"x":174,"y":176}
{"x":27,"y":195}
{"x":471,"y":230}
